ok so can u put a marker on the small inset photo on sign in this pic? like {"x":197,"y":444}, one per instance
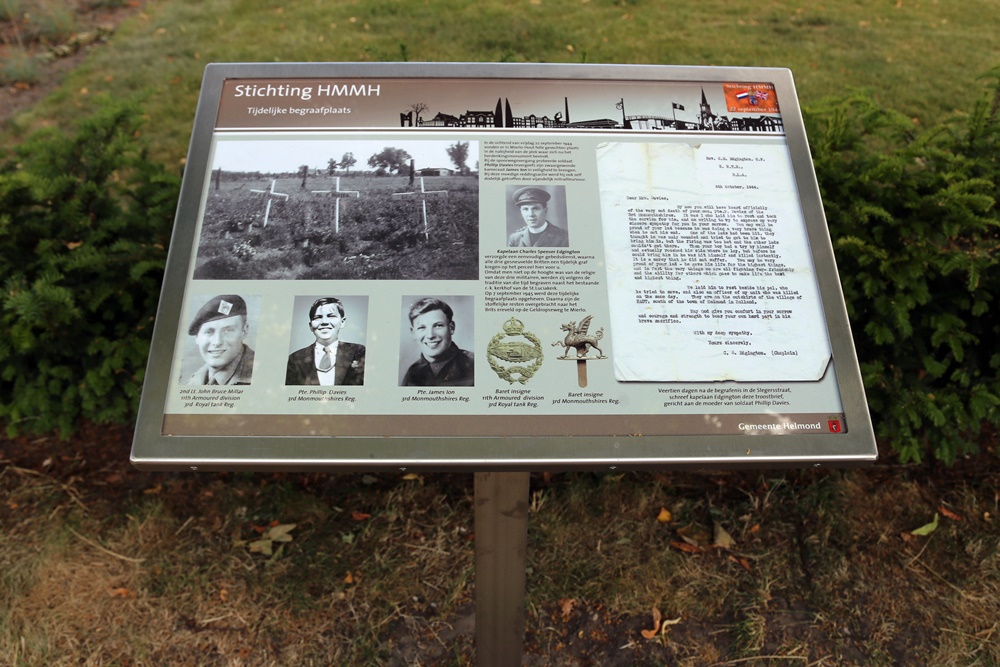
{"x":536,"y":216}
{"x":340,"y":209}
{"x":219,"y":345}
{"x":436,"y":339}
{"x":327,"y":344}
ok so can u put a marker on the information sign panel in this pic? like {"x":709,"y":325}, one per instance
{"x":499,"y":267}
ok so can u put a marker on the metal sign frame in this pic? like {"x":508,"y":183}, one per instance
{"x":229,"y":431}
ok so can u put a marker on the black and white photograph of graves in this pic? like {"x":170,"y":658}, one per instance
{"x":316,"y":208}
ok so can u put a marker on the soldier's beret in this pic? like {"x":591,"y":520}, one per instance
{"x":531,"y":195}
{"x":221,"y":307}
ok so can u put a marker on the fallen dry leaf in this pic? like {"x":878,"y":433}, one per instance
{"x":360,"y":516}
{"x":721,"y":538}
{"x":567,"y":605}
{"x":276,"y":532}
{"x":742,"y":562}
{"x":695,"y":534}
{"x":686,"y":547}
{"x":262,"y":547}
{"x":280,"y":532}
{"x":657,"y":617}
{"x":948,"y":514}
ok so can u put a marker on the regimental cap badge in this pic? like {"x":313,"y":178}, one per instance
{"x":577,"y":345}
{"x":217,"y":308}
{"x":515,"y":360}
{"x":531,"y":195}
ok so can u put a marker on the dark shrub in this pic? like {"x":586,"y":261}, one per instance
{"x":916,"y":226}
{"x":84,"y":224}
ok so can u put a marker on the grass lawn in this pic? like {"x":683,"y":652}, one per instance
{"x":921,"y":57}
{"x":103,"y":565}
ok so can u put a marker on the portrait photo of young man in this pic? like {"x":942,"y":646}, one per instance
{"x":433,"y":337}
{"x":328,"y":360}
{"x":536,"y":217}
{"x":219,"y":330}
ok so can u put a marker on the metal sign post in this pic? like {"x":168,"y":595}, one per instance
{"x":501,"y":500}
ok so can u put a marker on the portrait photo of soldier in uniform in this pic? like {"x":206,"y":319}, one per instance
{"x":219,"y":332}
{"x":327,"y":359}
{"x":438,"y":334}
{"x":536,"y":217}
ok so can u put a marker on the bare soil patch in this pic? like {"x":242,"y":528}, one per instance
{"x":54,"y":37}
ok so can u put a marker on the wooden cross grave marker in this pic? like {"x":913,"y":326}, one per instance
{"x":423,"y":197}
{"x":337,"y":193}
{"x":271,"y":194}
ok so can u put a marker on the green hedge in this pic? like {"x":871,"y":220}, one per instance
{"x":85,"y":219}
{"x":915,"y":223}
{"x":84,"y":224}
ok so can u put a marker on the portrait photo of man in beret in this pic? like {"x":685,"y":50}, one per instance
{"x":219,"y":330}
{"x":531,"y":215}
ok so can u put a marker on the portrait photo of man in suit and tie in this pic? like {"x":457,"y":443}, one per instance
{"x":328,"y":360}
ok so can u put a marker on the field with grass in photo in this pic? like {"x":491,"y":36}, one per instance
{"x":380,"y":233}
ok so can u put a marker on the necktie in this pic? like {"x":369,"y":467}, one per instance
{"x":325,"y":362}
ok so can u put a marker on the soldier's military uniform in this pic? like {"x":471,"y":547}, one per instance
{"x":240,"y":370}
{"x":456,"y":369}
{"x":552,"y":236}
